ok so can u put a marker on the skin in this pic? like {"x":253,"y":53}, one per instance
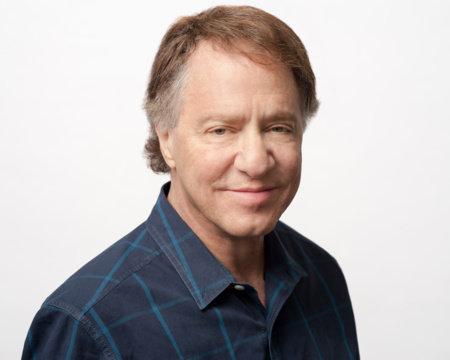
{"x":239,"y":128}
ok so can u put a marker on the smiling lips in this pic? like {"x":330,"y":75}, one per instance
{"x":252,"y":195}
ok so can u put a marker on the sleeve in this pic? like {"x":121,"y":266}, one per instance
{"x":347,"y":313}
{"x":55,"y":334}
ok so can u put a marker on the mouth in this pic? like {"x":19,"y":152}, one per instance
{"x":251,"y":196}
{"x":256,"y":189}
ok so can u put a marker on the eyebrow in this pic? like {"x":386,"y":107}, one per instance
{"x":282,"y":115}
{"x":230,"y":118}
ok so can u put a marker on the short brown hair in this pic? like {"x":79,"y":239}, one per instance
{"x":223,"y":25}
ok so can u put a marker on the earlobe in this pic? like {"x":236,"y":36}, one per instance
{"x":165,"y":138}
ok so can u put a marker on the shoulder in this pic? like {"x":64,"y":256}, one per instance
{"x":67,"y":323}
{"x":55,"y":334}
{"x":100,"y":276}
{"x":299,"y":245}
{"x":318,"y":262}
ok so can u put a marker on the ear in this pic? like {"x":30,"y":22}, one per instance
{"x":166,"y":142}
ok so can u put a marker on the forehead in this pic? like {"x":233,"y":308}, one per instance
{"x":225,"y":78}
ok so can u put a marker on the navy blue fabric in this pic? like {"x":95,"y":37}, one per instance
{"x":159,"y":293}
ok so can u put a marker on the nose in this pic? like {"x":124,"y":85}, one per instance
{"x":254,"y":157}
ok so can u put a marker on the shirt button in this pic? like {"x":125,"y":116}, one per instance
{"x":239,"y":287}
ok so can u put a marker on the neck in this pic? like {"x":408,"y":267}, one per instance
{"x":244,"y":257}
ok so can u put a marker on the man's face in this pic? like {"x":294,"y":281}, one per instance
{"x":235,"y":154}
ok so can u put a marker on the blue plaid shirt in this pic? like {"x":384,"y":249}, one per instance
{"x":158,"y":293}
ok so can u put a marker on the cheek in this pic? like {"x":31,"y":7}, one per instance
{"x":204,"y":163}
{"x":289,"y":160}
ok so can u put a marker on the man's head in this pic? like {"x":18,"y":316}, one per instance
{"x":225,"y":26}
{"x":230,"y":92}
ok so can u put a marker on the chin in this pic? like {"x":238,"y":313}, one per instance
{"x":242,"y":227}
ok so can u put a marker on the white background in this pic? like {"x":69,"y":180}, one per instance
{"x":375,"y":184}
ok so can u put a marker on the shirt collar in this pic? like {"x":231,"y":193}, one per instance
{"x":204,"y":275}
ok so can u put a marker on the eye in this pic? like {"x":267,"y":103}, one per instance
{"x":280,"y":129}
{"x":219,"y":131}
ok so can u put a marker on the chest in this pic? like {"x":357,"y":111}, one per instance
{"x":234,"y":326}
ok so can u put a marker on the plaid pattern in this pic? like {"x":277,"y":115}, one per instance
{"x":158,"y":293}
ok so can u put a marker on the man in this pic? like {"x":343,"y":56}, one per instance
{"x":213,"y":273}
